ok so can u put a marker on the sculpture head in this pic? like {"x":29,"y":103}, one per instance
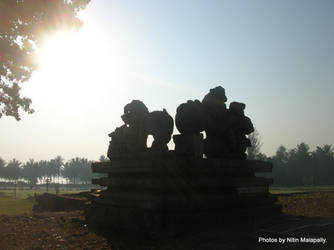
{"x":218,"y":93}
{"x":134,"y":112}
{"x":215,"y":98}
{"x":237,"y":107}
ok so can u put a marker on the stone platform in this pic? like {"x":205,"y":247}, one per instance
{"x":165,"y":193}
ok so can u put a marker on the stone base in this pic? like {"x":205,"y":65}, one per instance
{"x":189,"y":145}
{"x":156,"y":222}
{"x":170,"y":194}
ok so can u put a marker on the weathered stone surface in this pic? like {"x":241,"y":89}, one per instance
{"x":154,"y":192}
{"x":189,"y":145}
{"x":160,"y":162}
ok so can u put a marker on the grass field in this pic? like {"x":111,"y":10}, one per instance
{"x":284,"y":190}
{"x":306,"y":201}
{"x":22,"y":201}
{"x":12,"y":206}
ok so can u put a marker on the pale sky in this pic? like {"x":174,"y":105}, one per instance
{"x":275,"y":56}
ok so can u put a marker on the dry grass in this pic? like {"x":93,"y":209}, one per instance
{"x":314,"y":204}
{"x":284,"y":190}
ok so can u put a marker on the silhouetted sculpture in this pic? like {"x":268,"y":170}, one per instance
{"x":152,"y":192}
{"x":189,"y":117}
{"x":225,"y":129}
{"x":241,"y":126}
{"x":160,"y":125}
{"x":139,"y":123}
{"x":189,"y":121}
{"x":217,"y":124}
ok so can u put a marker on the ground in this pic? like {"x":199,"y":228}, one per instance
{"x":20,"y":228}
{"x":56,"y":230}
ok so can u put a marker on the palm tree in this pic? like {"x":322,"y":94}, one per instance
{"x":44,"y":168}
{"x":31,"y":172}
{"x":56,"y":164}
{"x":71,"y":169}
{"x":85,"y":172}
{"x":13,"y":170}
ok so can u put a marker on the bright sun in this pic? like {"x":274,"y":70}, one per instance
{"x":80,"y":69}
{"x":78,"y":58}
{"x":65,"y":55}
{"x":68,"y":65}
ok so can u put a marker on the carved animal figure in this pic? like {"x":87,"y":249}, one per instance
{"x":139,"y":123}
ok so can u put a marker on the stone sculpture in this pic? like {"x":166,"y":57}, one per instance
{"x":177,"y":191}
{"x":241,"y":126}
{"x":138,"y":124}
{"x":225,"y":129}
{"x":217,"y":124}
{"x":189,"y":121}
{"x":160,"y":125}
{"x":189,"y":117}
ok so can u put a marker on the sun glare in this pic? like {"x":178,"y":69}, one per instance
{"x":81,"y":69}
{"x":70,"y":66}
{"x":74,"y":59}
{"x":64,"y":56}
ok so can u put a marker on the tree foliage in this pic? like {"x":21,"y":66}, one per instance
{"x":300,"y":167}
{"x":31,"y":172}
{"x":77,"y":169}
{"x":253,"y":152}
{"x":12,"y":171}
{"x":24,"y":24}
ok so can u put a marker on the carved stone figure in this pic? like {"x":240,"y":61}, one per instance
{"x":119,"y":142}
{"x":160,"y":125}
{"x":217,"y":124}
{"x":189,"y":117}
{"x":139,"y":123}
{"x":225,"y":129}
{"x":134,"y":117}
{"x":241,"y":126}
{"x":190,"y":122}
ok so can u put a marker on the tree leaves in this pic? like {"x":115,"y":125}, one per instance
{"x":24,"y":24}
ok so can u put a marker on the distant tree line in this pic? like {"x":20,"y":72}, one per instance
{"x":295,"y":167}
{"x":76,"y":170}
{"x":300,"y":166}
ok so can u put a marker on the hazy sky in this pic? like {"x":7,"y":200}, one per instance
{"x":275,"y":56}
